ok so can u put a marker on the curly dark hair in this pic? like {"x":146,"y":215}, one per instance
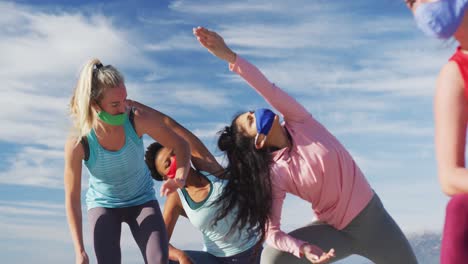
{"x":150,"y":155}
{"x":249,"y":187}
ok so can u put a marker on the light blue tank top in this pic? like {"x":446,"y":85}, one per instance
{"x":118,"y":178}
{"x":215,"y":238}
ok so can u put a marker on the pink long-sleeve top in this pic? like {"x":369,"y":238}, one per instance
{"x":317,"y":168}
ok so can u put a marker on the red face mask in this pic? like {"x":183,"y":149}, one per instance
{"x":172,"y":168}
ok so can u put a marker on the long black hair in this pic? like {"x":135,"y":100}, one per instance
{"x":249,"y":187}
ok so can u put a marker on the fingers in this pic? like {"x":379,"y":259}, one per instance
{"x":410,"y":3}
{"x":201,"y":37}
{"x":170,"y":186}
{"x":164,"y":191}
{"x":205,"y":35}
{"x":324,"y":258}
{"x":201,"y":32}
{"x":180,"y":182}
{"x":320,"y":260}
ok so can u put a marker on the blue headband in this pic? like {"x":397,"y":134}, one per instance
{"x":440,"y":19}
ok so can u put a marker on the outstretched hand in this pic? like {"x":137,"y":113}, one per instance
{"x":316,"y":255}
{"x":215,"y":44}
{"x":171,"y":185}
{"x":410,"y":3}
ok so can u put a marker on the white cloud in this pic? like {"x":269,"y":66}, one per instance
{"x":176,"y":42}
{"x":41,"y":54}
{"x":55,"y":44}
{"x":40,"y":60}
{"x":34,"y":204}
{"x":27,"y":212}
{"x":35,"y":166}
{"x":217,"y":8}
{"x":207,"y":130}
{"x":362,"y":126}
{"x":183,"y":96}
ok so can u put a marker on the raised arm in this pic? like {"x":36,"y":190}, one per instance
{"x":74,"y":154}
{"x":276,"y":97}
{"x":172,"y":210}
{"x":153,"y":123}
{"x":202,"y":158}
{"x":451,"y":116}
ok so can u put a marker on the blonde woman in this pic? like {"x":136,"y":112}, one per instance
{"x":108,"y":141}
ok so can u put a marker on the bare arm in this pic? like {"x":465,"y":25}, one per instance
{"x":451,"y":116}
{"x":172,"y":210}
{"x":201,"y":157}
{"x":153,"y":123}
{"x":289,"y":107}
{"x":74,"y":154}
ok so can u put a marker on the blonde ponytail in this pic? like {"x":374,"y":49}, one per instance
{"x":94,"y":80}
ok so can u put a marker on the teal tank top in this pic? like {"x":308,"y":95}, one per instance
{"x":118,"y":178}
{"x":216,"y":240}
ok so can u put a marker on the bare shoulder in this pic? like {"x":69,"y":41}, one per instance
{"x":450,"y":96}
{"x":139,"y":109}
{"x":73,"y":148}
{"x":450,"y":78}
{"x":144,"y":113}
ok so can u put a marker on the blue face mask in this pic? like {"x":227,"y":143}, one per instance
{"x":440,"y":19}
{"x":264,"y":120}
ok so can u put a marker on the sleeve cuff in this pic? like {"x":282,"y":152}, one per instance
{"x":297,"y":249}
{"x":234,"y":67}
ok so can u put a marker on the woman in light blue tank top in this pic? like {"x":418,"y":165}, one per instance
{"x":108,"y":139}
{"x":197,"y":202}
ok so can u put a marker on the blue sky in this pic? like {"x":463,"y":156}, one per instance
{"x":360,"y":67}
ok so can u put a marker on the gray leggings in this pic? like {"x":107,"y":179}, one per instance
{"x":147,"y":227}
{"x":202,"y":257}
{"x":373,"y":234}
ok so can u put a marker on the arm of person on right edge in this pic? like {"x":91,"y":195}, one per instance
{"x":276,"y":97}
{"x":282,"y":241}
{"x":74,"y":154}
{"x":172,"y":210}
{"x":451,"y":116}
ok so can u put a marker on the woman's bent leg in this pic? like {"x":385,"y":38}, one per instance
{"x":378,"y":237}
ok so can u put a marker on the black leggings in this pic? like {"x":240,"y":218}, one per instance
{"x":147,"y":227}
{"x":372,"y":234}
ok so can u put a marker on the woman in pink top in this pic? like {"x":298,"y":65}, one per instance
{"x":268,"y":159}
{"x":451,"y":118}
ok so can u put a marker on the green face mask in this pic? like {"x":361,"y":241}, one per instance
{"x":114,"y":120}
